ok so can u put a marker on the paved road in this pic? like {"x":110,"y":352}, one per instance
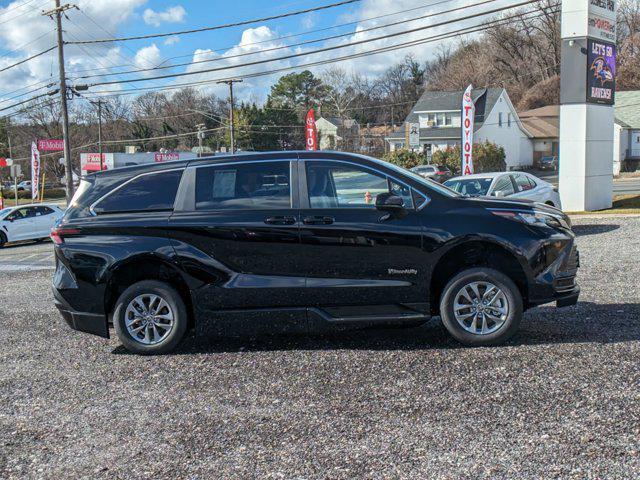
{"x":620,"y":187}
{"x":26,"y":256}
{"x":562,"y":400}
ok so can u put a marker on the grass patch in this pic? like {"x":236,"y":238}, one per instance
{"x":621,"y":204}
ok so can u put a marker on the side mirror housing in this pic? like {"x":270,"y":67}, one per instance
{"x":389,"y":202}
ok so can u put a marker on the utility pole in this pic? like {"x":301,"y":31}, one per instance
{"x":99,"y":102}
{"x":63,"y":95}
{"x":231,"y":127}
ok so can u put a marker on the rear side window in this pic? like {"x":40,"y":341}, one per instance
{"x":40,"y":211}
{"x":256,"y":186}
{"x":524,"y":183}
{"x":152,"y":192}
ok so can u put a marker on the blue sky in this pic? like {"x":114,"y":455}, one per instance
{"x":25,"y":32}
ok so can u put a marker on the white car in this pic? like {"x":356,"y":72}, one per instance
{"x":28,"y":222}
{"x":506,"y":184}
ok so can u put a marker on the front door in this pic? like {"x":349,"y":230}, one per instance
{"x":241,"y":235}
{"x":21,"y":224}
{"x":354,"y":253}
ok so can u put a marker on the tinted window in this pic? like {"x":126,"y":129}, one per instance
{"x":471,"y":186}
{"x":40,"y":211}
{"x":22,"y":213}
{"x":333,"y":185}
{"x":264,"y":185}
{"x":524,"y":183}
{"x":152,"y":192}
{"x":504,"y":185}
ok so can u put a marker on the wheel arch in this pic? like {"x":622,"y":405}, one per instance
{"x":146,"y":267}
{"x":476,"y":252}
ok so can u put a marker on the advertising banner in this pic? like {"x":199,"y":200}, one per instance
{"x":311,"y":134}
{"x":90,"y":162}
{"x":468,"y":116}
{"x":50,"y":145}
{"x":414,"y":135}
{"x":601,"y":22}
{"x":601,"y":72}
{"x":35,"y":170}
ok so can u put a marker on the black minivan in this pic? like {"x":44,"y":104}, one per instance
{"x":316,"y":238}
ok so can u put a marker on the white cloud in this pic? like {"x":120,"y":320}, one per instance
{"x":170,"y":15}
{"x":172,"y":40}
{"x":148,"y":57}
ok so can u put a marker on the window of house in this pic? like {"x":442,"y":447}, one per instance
{"x":334,"y":185}
{"x":508,"y":119}
{"x":500,"y":119}
{"x":448,"y":119}
{"x":149,"y":192}
{"x":263,"y":185}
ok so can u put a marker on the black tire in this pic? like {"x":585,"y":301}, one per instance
{"x":3,"y":239}
{"x":550,"y":203}
{"x":174,"y":301}
{"x":500,"y":280}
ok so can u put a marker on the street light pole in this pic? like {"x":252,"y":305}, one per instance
{"x":231,"y":126}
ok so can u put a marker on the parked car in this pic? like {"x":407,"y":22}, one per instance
{"x":438,"y":173}
{"x":316,"y":238}
{"x":520,"y":185}
{"x":24,"y":185}
{"x":549,"y":163}
{"x":28,"y":222}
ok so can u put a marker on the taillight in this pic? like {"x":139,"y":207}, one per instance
{"x":58,"y":234}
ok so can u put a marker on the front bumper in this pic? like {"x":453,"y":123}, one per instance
{"x":558,"y":282}
{"x":81,"y":321}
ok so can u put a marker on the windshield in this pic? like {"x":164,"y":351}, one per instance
{"x":3,"y":212}
{"x":473,"y":187}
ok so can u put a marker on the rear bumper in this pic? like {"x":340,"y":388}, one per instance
{"x":81,"y":321}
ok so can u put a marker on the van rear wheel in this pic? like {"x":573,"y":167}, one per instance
{"x":150,"y":318}
{"x":481,"y":306}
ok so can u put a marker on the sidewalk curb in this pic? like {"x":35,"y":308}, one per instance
{"x":604,"y":215}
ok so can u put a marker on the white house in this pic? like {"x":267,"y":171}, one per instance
{"x":626,"y":142}
{"x":496,"y":120}
{"x":336,"y":132}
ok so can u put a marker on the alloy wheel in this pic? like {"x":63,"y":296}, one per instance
{"x":481,"y":308}
{"x":149,"y":319}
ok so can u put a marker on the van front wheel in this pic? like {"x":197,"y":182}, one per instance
{"x":481,"y":306}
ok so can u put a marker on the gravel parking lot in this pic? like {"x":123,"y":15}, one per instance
{"x":560,"y":401}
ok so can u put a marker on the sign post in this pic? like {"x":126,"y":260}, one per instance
{"x":468,"y":117}
{"x":587,"y":95}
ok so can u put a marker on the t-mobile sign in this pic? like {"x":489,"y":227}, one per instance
{"x":601,"y":72}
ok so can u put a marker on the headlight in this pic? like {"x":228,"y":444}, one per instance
{"x":535,"y":217}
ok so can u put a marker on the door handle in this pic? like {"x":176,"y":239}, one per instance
{"x":280,"y":220}
{"x":318,"y":220}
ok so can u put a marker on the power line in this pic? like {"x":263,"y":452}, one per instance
{"x":29,"y":58}
{"x":282,"y":47}
{"x":322,"y":50}
{"x":284,"y":37}
{"x":22,"y":47}
{"x":218,"y":27}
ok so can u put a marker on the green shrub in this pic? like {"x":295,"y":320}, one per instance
{"x":405,"y":158}
{"x":50,"y":193}
{"x":487,"y":157}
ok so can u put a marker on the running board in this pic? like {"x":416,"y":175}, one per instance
{"x":395,"y":318}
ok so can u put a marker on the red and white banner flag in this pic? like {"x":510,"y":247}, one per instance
{"x":311,"y":134}
{"x":468,"y":115}
{"x":35,"y":170}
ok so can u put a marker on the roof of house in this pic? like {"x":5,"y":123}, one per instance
{"x":484,"y":98}
{"x":628,"y":108}
{"x":339,"y":122}
{"x":542,"y":122}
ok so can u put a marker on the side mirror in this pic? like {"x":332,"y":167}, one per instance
{"x":389,"y":202}
{"x":392,"y":204}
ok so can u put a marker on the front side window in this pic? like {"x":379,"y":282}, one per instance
{"x":21,"y":214}
{"x":504,"y":185}
{"x":332,"y":185}
{"x":260,"y":185}
{"x":150,"y":192}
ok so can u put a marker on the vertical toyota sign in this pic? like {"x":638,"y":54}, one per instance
{"x":468,"y":114}
{"x":311,"y":134}
{"x":35,"y":170}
